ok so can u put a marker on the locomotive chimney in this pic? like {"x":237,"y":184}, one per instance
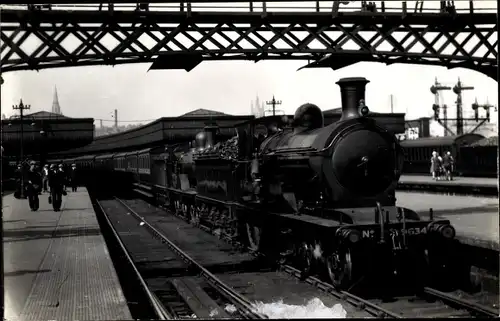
{"x":352,"y":91}
{"x":211,"y":132}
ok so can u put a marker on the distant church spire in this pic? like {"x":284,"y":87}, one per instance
{"x":55,"y":103}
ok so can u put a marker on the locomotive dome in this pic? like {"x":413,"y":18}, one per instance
{"x":308,"y":116}
{"x":200,"y":139}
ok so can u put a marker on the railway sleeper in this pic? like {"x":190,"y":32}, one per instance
{"x":198,"y":300}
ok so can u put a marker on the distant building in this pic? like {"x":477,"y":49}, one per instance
{"x":428,"y":127}
{"x":205,"y":113}
{"x":56,"y":108}
{"x":45,"y":132}
{"x":108,"y":130}
{"x":257,"y":108}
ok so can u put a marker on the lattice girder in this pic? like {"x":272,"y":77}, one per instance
{"x":92,"y":38}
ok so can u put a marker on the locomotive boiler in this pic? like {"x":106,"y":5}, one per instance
{"x":351,"y":163}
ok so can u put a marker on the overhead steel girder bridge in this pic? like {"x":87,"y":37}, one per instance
{"x":179,"y":35}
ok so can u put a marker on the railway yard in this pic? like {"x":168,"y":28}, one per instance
{"x":126,"y":258}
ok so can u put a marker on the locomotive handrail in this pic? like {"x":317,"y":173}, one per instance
{"x":294,"y":150}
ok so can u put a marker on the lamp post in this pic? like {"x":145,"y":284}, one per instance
{"x":22,"y":107}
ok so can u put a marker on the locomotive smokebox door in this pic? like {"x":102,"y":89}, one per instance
{"x":363,"y":162}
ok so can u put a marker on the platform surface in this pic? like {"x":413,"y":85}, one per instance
{"x":463,"y":181}
{"x":475,"y":219}
{"x":57,"y":265}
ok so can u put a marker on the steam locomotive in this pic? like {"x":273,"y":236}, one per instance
{"x":320,"y":197}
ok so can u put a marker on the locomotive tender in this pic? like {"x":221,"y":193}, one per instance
{"x":322,"y":197}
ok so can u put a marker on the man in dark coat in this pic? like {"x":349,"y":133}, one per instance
{"x":448,"y":166}
{"x":34,"y":186}
{"x":19,"y":177}
{"x":73,"y":178}
{"x":56,"y":183}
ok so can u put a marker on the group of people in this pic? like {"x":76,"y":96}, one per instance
{"x":52,"y":180}
{"x":442,"y":166}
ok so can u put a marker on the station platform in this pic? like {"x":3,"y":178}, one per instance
{"x":475,"y":219}
{"x":56,"y":264}
{"x":466,"y":185}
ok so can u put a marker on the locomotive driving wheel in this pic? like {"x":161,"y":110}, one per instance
{"x":254,"y":236}
{"x":339,"y":269}
{"x":304,"y":256}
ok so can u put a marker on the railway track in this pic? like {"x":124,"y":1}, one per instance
{"x":429,"y":303}
{"x":174,"y":282}
{"x":251,"y":275}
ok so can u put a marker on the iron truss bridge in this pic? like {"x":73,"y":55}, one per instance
{"x":180,"y":35}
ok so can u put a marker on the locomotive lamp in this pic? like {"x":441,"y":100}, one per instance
{"x":363,"y":109}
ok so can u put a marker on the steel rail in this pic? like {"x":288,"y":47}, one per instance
{"x":470,"y":306}
{"x":159,"y":309}
{"x":246,"y":305}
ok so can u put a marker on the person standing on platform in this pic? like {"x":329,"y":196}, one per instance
{"x":64,"y":177}
{"x":34,"y":186}
{"x":448,"y":166}
{"x":72,"y":177}
{"x":45,"y":178}
{"x":435,"y":165}
{"x":440,"y":168}
{"x":19,"y":176}
{"x":56,"y":183}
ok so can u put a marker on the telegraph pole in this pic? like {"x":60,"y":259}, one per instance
{"x":22,"y":107}
{"x":460,"y":117}
{"x":273,"y":103}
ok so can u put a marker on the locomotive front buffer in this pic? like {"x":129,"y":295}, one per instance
{"x":420,"y":252}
